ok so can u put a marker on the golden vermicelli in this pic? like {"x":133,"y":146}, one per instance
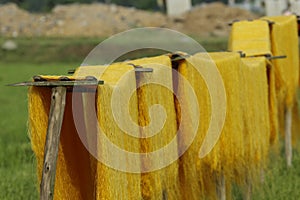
{"x":231,"y":141}
{"x":284,"y":38}
{"x":134,"y":114}
{"x":256,"y":115}
{"x":154,"y":185}
{"x":73,"y":176}
{"x":112,"y":183}
{"x":195,"y":183}
{"x":156,"y":88}
{"x":227,"y":156}
{"x":250,"y":37}
{"x":273,"y":104}
{"x":242,"y":39}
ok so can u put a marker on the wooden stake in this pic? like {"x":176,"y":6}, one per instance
{"x":248,"y":192}
{"x":58,"y":101}
{"x":221,"y":187}
{"x":90,"y":120}
{"x":262,"y":175}
{"x":288,"y":136}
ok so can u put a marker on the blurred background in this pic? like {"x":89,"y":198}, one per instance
{"x":66,"y":30}
{"x":53,"y":36}
{"x":48,"y":27}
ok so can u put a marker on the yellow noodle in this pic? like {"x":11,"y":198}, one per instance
{"x":284,"y":38}
{"x":227,"y":156}
{"x":73,"y":176}
{"x":250,"y":37}
{"x":163,"y":183}
{"x":112,"y":183}
{"x":194,"y":182}
{"x":255,"y":103}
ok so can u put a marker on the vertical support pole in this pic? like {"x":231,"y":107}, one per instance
{"x":90,"y":119}
{"x":221,"y":187}
{"x":262,"y":175}
{"x":288,"y":136}
{"x":91,"y":124}
{"x":58,"y":101}
{"x":248,"y":191}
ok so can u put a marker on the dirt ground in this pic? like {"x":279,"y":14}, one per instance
{"x":88,"y":20}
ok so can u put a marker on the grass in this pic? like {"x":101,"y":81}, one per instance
{"x":17,"y":163}
{"x":70,"y":50}
{"x":281,"y":183}
{"x":42,"y":50}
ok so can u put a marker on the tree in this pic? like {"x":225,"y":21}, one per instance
{"x":145,"y":4}
{"x":46,"y":5}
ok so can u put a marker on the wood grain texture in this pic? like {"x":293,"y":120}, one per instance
{"x":58,"y":101}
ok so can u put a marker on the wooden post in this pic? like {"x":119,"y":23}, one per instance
{"x":262,"y":175}
{"x":90,"y":119}
{"x":221,"y":187}
{"x":58,"y":101}
{"x":56,"y":115}
{"x":288,"y":136}
{"x":248,"y":189}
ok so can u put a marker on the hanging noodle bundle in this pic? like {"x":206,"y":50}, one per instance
{"x":256,"y":117}
{"x":254,"y":39}
{"x":284,"y":38}
{"x":156,"y":88}
{"x":133,"y":115}
{"x":226,"y":158}
{"x":194,"y":182}
{"x":74,"y":178}
{"x":112,"y":183}
{"x":250,"y":37}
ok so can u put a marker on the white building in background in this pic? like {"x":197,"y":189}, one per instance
{"x":177,"y":7}
{"x":275,"y":7}
{"x":231,"y":2}
{"x":278,"y":7}
{"x":271,"y":7}
{"x":295,"y":7}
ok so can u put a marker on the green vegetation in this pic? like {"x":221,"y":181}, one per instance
{"x":73,"y":50}
{"x":45,"y":50}
{"x":17,"y":163}
{"x":36,"y":56}
{"x":47,"y":5}
{"x":281,"y":183}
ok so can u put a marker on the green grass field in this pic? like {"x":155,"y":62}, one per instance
{"x":17,"y":162}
